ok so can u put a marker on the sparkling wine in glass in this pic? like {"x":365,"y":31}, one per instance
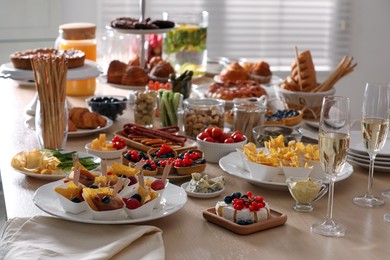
{"x":333,"y":143}
{"x":374,"y":127}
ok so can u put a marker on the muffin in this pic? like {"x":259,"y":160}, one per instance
{"x":161,"y":71}
{"x":261,"y":72}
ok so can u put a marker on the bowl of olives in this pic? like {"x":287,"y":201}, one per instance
{"x":109,"y":106}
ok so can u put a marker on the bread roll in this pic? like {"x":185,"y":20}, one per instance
{"x":135,"y":76}
{"x":305,"y":76}
{"x":115,"y":71}
{"x":233,"y":72}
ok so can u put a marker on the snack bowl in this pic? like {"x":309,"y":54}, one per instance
{"x":67,"y":204}
{"x":309,"y":102}
{"x":213,"y":152}
{"x":109,"y":106}
{"x":149,"y":181}
{"x":144,"y":210}
{"x":300,"y":172}
{"x":262,"y":172}
{"x":105,"y":215}
{"x":263,"y":134}
{"x":104,"y":154}
{"x":317,"y":171}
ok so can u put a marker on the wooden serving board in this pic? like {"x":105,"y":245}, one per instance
{"x":276,"y":219}
{"x":189,"y":144}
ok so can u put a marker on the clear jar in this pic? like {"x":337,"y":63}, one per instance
{"x":80,"y":36}
{"x":200,"y":113}
{"x":249,"y":113}
{"x":144,"y":105}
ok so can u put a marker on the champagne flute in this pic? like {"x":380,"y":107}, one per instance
{"x":375,"y":126}
{"x":333,"y":139}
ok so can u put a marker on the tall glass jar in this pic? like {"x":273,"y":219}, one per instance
{"x":200,"y":113}
{"x":248,"y":113}
{"x":144,"y":105}
{"x":185,"y":46}
{"x":80,"y":36}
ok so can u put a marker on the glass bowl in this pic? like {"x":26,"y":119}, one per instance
{"x":261,"y":134}
{"x":109,"y":106}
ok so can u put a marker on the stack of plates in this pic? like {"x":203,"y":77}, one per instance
{"x":358,"y":154}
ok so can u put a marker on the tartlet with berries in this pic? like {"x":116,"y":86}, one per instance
{"x":161,"y":153}
{"x":161,"y":164}
{"x":131,"y":157}
{"x":243,"y":209}
{"x":149,"y":168}
{"x":190,"y":161}
{"x":287,"y":117}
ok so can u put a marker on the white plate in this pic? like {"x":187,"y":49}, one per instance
{"x":201,"y":195}
{"x":378,"y":159}
{"x":90,"y":70}
{"x":313,"y":124}
{"x":55,"y":177}
{"x":142,"y":31}
{"x":103,"y":79}
{"x":232,"y":164}
{"x":309,"y":133}
{"x":356,"y":145}
{"x":173,"y":199}
{"x":367,"y":161}
{"x":30,"y":124}
{"x":366,"y":166}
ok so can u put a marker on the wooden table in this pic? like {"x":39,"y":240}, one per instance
{"x":186,"y":234}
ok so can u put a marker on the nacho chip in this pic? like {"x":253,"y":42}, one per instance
{"x":120,"y":169}
{"x":89,"y":194}
{"x":70,"y":191}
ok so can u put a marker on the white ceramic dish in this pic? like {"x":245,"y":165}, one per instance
{"x":90,"y":70}
{"x":356,"y":145}
{"x":103,"y":79}
{"x":366,"y":165}
{"x":30,"y":124}
{"x":114,"y":154}
{"x":359,"y":155}
{"x":201,"y":195}
{"x":174,"y":199}
{"x":55,"y":177}
{"x":232,"y":164}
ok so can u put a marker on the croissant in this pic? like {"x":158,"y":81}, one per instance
{"x":135,"y":61}
{"x":305,"y":74}
{"x":71,"y":126}
{"x":233,"y":72}
{"x":84,"y":119}
{"x":135,"y":76}
{"x":115,"y":71}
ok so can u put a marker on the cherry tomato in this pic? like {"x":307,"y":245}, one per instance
{"x":203,"y":135}
{"x":223,"y":137}
{"x":216,"y":133}
{"x":238,"y":137}
{"x":209,"y":139}
{"x":228,"y":140}
{"x":209,"y":130}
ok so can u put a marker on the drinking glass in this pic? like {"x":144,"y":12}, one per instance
{"x":375,"y":126}
{"x":333,"y":139}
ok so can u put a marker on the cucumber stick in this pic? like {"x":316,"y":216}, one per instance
{"x":176,"y":101}
{"x":168,"y":106}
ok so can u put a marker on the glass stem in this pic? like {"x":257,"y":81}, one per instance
{"x":371,"y":173}
{"x":329,"y":214}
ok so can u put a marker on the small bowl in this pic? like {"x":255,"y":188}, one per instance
{"x":161,"y":192}
{"x":144,"y":210}
{"x":70,"y":206}
{"x":262,"y":134}
{"x":113,"y":154}
{"x":106,"y":215}
{"x":262,"y":172}
{"x":109,"y":106}
{"x":298,"y":172}
{"x":201,"y":195}
{"x":213,"y":152}
{"x":317,"y":171}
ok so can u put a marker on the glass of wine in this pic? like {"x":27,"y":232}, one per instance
{"x":375,"y":126}
{"x":334,"y":130}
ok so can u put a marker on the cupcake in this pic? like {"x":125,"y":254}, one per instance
{"x":261,"y":72}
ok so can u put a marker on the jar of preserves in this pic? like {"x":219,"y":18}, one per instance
{"x":249,"y":113}
{"x":200,"y":113}
{"x":80,"y":36}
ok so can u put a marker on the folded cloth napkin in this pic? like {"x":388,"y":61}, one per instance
{"x":42,"y":237}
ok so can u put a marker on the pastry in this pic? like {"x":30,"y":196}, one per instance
{"x":135,"y":61}
{"x":233,"y":72}
{"x":154,"y":61}
{"x":135,"y":76}
{"x":243,"y":209}
{"x":84,"y":119}
{"x":115,"y":71}
{"x":161,"y":70}
{"x":261,"y":72}
{"x":22,"y":59}
{"x":71,"y":126}
{"x":237,"y":89}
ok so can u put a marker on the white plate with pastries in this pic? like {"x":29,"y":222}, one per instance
{"x":173,"y":199}
{"x":30,"y":124}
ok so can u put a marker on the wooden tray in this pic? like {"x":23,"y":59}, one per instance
{"x":276,"y":219}
{"x":189,"y":144}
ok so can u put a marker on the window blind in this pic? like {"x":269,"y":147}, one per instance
{"x":259,"y":29}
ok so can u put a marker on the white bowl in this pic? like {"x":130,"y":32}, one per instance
{"x":317,"y":171}
{"x":70,"y":206}
{"x":144,"y":210}
{"x":298,"y":172}
{"x":104,"y":154}
{"x":215,"y":151}
{"x":262,"y":172}
{"x":200,"y":195}
{"x":107,"y":215}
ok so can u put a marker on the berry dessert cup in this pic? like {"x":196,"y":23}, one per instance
{"x":140,"y":202}
{"x":162,"y":153}
{"x":70,"y":197}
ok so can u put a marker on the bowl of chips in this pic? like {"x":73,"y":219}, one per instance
{"x":263,"y":134}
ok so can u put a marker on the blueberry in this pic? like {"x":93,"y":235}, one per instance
{"x":137,"y":197}
{"x":244,"y":196}
{"x":127,"y":156}
{"x":106,"y":199}
{"x":238,"y":195}
{"x":76,"y":200}
{"x":241,"y":222}
{"x":228,"y":199}
{"x":93,"y":186}
{"x":248,"y":222}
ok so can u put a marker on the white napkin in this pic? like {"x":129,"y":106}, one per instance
{"x":43,"y":237}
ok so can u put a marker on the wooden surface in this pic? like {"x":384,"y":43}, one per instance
{"x":186,"y":234}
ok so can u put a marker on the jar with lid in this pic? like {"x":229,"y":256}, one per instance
{"x":200,"y":113}
{"x":80,"y":36}
{"x":248,"y":113}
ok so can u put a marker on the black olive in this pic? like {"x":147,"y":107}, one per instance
{"x":106,"y":199}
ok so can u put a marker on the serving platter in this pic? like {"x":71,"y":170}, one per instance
{"x":54,"y":177}
{"x":232,"y":164}
{"x":173,"y":199}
